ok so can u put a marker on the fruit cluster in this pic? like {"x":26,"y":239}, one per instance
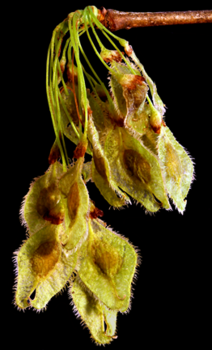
{"x":134,"y":155}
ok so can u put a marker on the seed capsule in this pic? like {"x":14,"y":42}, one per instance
{"x":47,"y":205}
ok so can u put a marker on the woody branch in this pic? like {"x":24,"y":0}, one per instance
{"x":116,"y":20}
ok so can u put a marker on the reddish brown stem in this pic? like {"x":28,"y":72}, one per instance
{"x":115,"y":20}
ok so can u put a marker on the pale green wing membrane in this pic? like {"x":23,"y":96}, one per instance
{"x":107,"y":266}
{"x":101,"y":172}
{"x":119,"y":99}
{"x":106,"y":191}
{"x":56,"y":281}
{"x":69,"y":118}
{"x":117,"y":259}
{"x":42,"y":200}
{"x":77,"y":207}
{"x":129,"y":92}
{"x":158,"y":103}
{"x":110,"y":317}
{"x":140,"y":121}
{"x":86,"y":171}
{"x":98,"y":108}
{"x":42,"y":265}
{"x":177,"y":168}
{"x":136,"y":170}
{"x":93,"y":313}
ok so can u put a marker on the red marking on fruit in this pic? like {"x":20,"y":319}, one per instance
{"x":54,"y":154}
{"x":116,"y":121}
{"x":131,"y":81}
{"x":90,"y":112}
{"x":70,"y":75}
{"x":128,"y":50}
{"x":45,"y":258}
{"x":48,"y":205}
{"x":62,"y":66}
{"x":119,"y":122}
{"x":79,"y":150}
{"x":95,"y":213}
{"x":156,"y":129}
{"x":55,"y":219}
{"x":112,"y":56}
{"x":60,"y":48}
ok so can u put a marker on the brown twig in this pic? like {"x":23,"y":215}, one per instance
{"x":115,"y":20}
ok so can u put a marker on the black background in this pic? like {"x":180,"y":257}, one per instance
{"x":167,"y":307}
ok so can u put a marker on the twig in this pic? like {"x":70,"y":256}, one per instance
{"x":115,"y":20}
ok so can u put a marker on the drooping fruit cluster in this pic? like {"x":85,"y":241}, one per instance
{"x":134,"y":154}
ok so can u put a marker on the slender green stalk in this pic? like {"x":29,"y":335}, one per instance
{"x":68,"y":115}
{"x":50,"y":98}
{"x":114,"y":45}
{"x":72,"y":65}
{"x":81,"y":80}
{"x":52,"y":50}
{"x":152,"y":107}
{"x":69,"y":52}
{"x":60,"y":128}
{"x":81,"y":31}
{"x":150,"y":102}
{"x":55,"y":91}
{"x":61,"y":75}
{"x":97,"y":53}
{"x":121,"y":54}
{"x":90,"y":78}
{"x":101,"y":46}
{"x":59,"y":68}
{"x":65,"y":48}
{"x":97,"y":77}
{"x":48,"y":93}
{"x":56,"y":61}
{"x":101,"y":26}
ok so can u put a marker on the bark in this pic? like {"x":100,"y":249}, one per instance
{"x":116,"y":20}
